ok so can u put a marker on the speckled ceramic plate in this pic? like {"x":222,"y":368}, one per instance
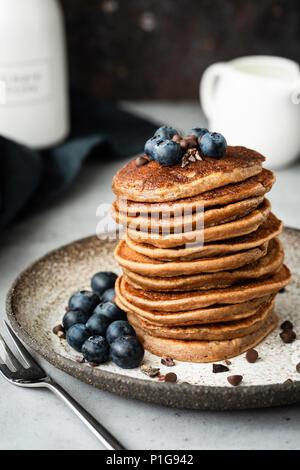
{"x":36,"y":303}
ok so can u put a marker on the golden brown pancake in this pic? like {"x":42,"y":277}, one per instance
{"x":255,"y":186}
{"x":213,"y":314}
{"x":187,"y":221}
{"x":205,"y":351}
{"x":237,"y":228}
{"x":156,"y":183}
{"x":268,"y":230}
{"x":182,"y":301}
{"x":261,"y":268}
{"x":138,"y":263}
{"x":207,"y":332}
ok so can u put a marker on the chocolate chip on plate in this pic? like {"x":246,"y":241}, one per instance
{"x":288,"y":381}
{"x":57,"y":329}
{"x":171,"y":377}
{"x":298,"y":367}
{"x":288,"y":336}
{"x":167,"y":361}
{"x":287,"y":325}
{"x":282,"y":290}
{"x":251,"y":355}
{"x":219,"y":368}
{"x":235,"y":380}
{"x":150,"y":371}
{"x":141,"y":161}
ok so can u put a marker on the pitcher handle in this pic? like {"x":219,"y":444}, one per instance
{"x":208,"y":86}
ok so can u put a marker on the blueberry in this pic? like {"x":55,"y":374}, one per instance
{"x":127,"y":352}
{"x":84,"y":300}
{"x":96,"y":349}
{"x":149,"y":145}
{"x":167,"y":132}
{"x":117,"y":329}
{"x":72,"y":317}
{"x":166,"y":152}
{"x":213,"y":144}
{"x":111,"y":311}
{"x":197,"y":131}
{"x":102,"y":281}
{"x":109,"y":295}
{"x":77,"y":335}
{"x":98,"y":324}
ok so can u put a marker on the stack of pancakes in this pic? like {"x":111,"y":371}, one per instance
{"x":201,"y":260}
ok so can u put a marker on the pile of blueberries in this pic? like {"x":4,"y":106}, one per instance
{"x":97,"y":327}
{"x":164,"y":147}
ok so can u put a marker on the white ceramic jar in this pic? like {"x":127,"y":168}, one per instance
{"x":33,"y":77}
{"x":254,"y":101}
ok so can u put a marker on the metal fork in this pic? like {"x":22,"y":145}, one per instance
{"x":35,"y":377}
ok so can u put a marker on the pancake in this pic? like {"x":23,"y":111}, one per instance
{"x":156,"y":183}
{"x":205,"y":351}
{"x":133,"y":261}
{"x":183,"y":301}
{"x":213,"y":314}
{"x":207,"y":332}
{"x":256,"y":186}
{"x":184,"y":221}
{"x":268,"y":230}
{"x":237,"y":228}
{"x":262,"y":268}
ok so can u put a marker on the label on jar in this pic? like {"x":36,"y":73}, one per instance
{"x":24,"y":82}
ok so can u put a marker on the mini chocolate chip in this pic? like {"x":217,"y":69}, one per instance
{"x":150,"y":371}
{"x":298,"y":367}
{"x":288,"y":381}
{"x":219,"y":368}
{"x":251,"y":355}
{"x":161,"y":378}
{"x":80,"y":359}
{"x":171,"y":377}
{"x":66,"y":308}
{"x":287,"y":325}
{"x":57,"y":329}
{"x":228,"y":363}
{"x":177,"y":138}
{"x":288,"y":336}
{"x":282,"y":290}
{"x":61,"y":335}
{"x":167,"y":361}
{"x":141,"y":161}
{"x":235,"y":380}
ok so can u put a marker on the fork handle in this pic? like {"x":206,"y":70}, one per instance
{"x":102,"y":434}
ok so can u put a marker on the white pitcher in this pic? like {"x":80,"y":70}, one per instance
{"x":33,"y":76}
{"x":255,"y":101}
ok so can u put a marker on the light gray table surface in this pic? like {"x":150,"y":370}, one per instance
{"x":36,"y":419}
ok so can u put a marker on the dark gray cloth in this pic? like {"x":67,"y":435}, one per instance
{"x":99,"y":128}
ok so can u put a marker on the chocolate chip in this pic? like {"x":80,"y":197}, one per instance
{"x":171,"y":377}
{"x":141,"y":161}
{"x":66,"y":308}
{"x":288,"y":336}
{"x":251,"y":355}
{"x":150,"y":371}
{"x":282,"y":290}
{"x":167,"y":361}
{"x":61,"y":335}
{"x":93,"y":364}
{"x":80,"y":359}
{"x":287,"y":325}
{"x":298,"y":367}
{"x":57,"y":329}
{"x":288,"y":381}
{"x":177,"y":138}
{"x":219,"y":368}
{"x":228,"y":363}
{"x":235,"y":380}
